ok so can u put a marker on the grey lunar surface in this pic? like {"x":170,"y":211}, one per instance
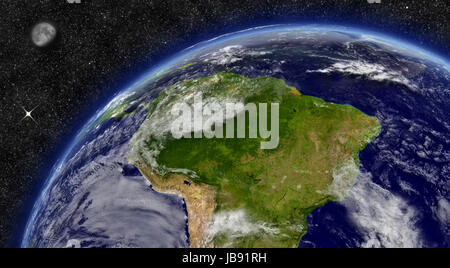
{"x":43,"y":34}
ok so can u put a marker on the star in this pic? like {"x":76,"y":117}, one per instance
{"x":28,"y":114}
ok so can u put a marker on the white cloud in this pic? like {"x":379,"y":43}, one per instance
{"x":344,"y":177}
{"x":442,"y":213}
{"x":237,"y":224}
{"x":149,"y":140}
{"x":373,"y":71}
{"x":231,"y":54}
{"x":384,"y":219}
{"x":73,"y":243}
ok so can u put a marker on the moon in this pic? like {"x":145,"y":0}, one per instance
{"x":43,"y":34}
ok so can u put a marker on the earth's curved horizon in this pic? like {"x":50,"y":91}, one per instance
{"x":340,"y":65}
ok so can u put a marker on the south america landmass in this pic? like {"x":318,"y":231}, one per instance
{"x":236,"y":194}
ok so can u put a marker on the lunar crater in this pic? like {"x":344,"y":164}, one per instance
{"x":43,"y":34}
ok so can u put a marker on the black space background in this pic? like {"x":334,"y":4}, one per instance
{"x":103,"y":45}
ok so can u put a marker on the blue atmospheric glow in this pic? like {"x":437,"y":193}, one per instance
{"x":285,"y":27}
{"x":171,"y":62}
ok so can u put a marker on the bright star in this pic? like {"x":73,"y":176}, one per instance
{"x":28,"y":114}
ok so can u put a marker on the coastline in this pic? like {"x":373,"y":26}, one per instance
{"x":200,"y":200}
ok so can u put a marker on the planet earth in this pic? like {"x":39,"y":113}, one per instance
{"x":43,"y":34}
{"x":362,"y":155}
